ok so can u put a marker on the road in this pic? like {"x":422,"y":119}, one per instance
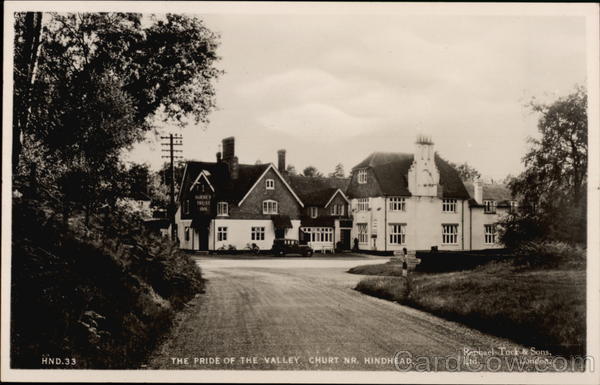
{"x":301,"y":313}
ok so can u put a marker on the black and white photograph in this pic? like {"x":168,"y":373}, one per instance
{"x":300,"y":192}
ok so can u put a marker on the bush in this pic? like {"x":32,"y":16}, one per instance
{"x":90,"y":296}
{"x":551,"y":254}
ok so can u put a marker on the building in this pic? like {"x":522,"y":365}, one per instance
{"x":225,"y":204}
{"x":325,"y":219}
{"x":489,"y":203}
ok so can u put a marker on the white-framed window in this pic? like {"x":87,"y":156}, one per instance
{"x":450,"y":234}
{"x":514,"y":205}
{"x":270,"y":184}
{"x":363,"y":235}
{"x":398,"y":233}
{"x":313,"y":212}
{"x":186,"y":206}
{"x":362,"y":176}
{"x":363,"y":204}
{"x":337,"y":209}
{"x":489,"y":234}
{"x":270,"y":207}
{"x":222,"y":208}
{"x":320,"y":234}
{"x":449,"y":205}
{"x":257,"y":233}
{"x":397,"y":204}
{"x":221,"y":233}
{"x":489,"y":207}
{"x":186,"y":233}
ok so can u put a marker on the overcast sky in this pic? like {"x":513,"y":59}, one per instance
{"x":333,"y":89}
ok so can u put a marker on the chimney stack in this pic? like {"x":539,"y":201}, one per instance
{"x":229,"y":156}
{"x":219,"y":157}
{"x":281,"y":161}
{"x":478,"y":191}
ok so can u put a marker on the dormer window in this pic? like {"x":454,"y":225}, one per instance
{"x":337,"y":210}
{"x":270,"y":207}
{"x":489,"y":207}
{"x":270,"y":184}
{"x":222,"y":208}
{"x":313,"y":212}
{"x":362,"y":176}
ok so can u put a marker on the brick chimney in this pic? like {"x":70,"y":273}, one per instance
{"x":281,"y":161}
{"x":229,"y":156}
{"x":219,"y":157}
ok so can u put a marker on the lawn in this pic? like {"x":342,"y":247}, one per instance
{"x":537,"y":306}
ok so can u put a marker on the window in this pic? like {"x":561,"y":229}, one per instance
{"x":186,"y":206}
{"x":270,"y":184}
{"x":313,"y":211}
{"x":362,"y":176}
{"x":489,"y":234}
{"x":221,"y":233}
{"x":513,"y":206}
{"x":397,"y":204}
{"x":187,"y":233}
{"x":489,"y":207}
{"x":363,"y":236}
{"x":270,"y":207}
{"x":450,"y":234}
{"x":398,"y":234}
{"x":258,"y":234}
{"x":363,"y":204}
{"x":449,"y":205}
{"x":222,"y":208}
{"x":319,"y":234}
{"x":337,"y":209}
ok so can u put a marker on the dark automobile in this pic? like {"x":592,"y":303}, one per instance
{"x":282,"y":247}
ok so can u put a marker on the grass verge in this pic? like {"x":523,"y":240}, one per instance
{"x":536,"y":306}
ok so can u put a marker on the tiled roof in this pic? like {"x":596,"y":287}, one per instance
{"x":391,"y":171}
{"x":316,"y":191}
{"x":227,"y":188}
{"x":491,"y":191}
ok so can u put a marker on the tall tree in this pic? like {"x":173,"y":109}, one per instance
{"x":311,"y":171}
{"x":466,"y":172}
{"x":338,"y":172}
{"x":102,"y":78}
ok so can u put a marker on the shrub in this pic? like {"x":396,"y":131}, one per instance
{"x":551,"y":254}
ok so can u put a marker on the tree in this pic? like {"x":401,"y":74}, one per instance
{"x":552,"y":187}
{"x":290,"y":169}
{"x":466,"y":172}
{"x":100,"y":81}
{"x":138,"y":181}
{"x":311,"y":171}
{"x":338,"y":172}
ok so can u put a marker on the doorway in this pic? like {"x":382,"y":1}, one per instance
{"x":345,"y":237}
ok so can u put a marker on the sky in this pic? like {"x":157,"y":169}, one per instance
{"x":334,"y":88}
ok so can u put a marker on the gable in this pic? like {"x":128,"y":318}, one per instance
{"x":280,"y":184}
{"x":365,"y":190}
{"x":338,"y":197}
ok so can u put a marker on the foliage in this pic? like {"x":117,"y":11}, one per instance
{"x":104,"y":297}
{"x":338,"y":172}
{"x":552,"y":187}
{"x":290,"y":169}
{"x":466,"y":172}
{"x":99,"y":81}
{"x":551,"y":254}
{"x":311,"y":171}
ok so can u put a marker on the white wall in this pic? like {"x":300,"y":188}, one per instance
{"x":239,"y":233}
{"x":479,"y":220}
{"x":423,"y":218}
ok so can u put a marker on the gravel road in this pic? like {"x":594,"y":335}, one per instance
{"x":295,"y":313}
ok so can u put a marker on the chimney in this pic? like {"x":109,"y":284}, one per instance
{"x":281,"y":161}
{"x":228,"y":149}
{"x":478,"y":191}
{"x":219,"y":157}
{"x":424,"y":148}
{"x":234,"y":168}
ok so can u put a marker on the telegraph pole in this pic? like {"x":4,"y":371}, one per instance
{"x":172,"y":141}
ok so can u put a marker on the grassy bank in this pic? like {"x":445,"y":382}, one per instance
{"x":101,"y":297}
{"x":536,"y":305}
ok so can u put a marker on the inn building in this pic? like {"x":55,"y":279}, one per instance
{"x":391,"y":201}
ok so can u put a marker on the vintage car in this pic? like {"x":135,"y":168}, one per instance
{"x":282,"y":247}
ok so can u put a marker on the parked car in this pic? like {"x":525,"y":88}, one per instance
{"x":281,"y":247}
